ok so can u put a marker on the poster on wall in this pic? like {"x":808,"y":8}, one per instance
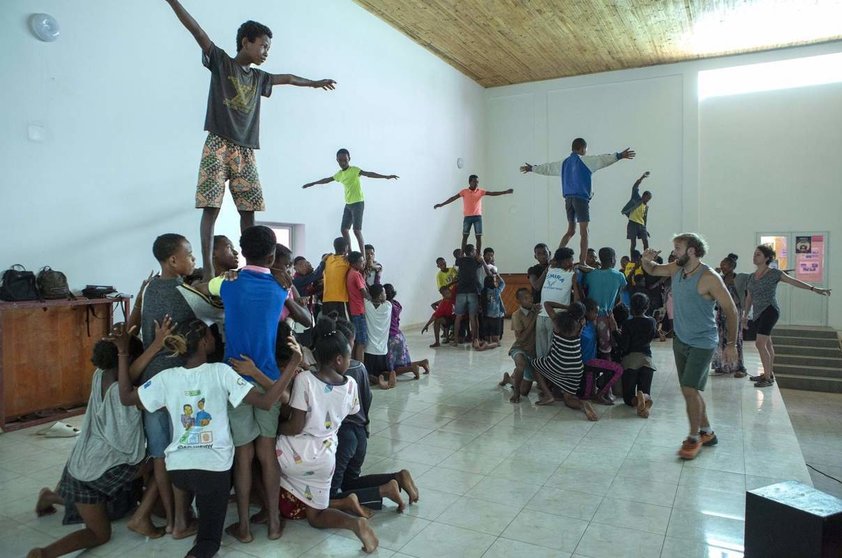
{"x":809,"y":252}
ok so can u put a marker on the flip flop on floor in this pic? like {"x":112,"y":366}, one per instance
{"x":59,"y":430}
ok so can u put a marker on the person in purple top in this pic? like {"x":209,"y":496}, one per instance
{"x":399,"y":359}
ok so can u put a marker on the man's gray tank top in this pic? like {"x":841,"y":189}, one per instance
{"x":695,"y":319}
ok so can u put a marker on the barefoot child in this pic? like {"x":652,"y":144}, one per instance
{"x":201,"y":453}
{"x":357,"y":294}
{"x":523,"y":349}
{"x":472,"y":208}
{"x":378,"y":320}
{"x":636,"y":335}
{"x":442,"y":317}
{"x":600,"y":373}
{"x":368,"y":490}
{"x":107,"y":457}
{"x":306,"y":446}
{"x":349,"y":177}
{"x":399,"y":359}
{"x":233,"y":123}
{"x":563,"y":366}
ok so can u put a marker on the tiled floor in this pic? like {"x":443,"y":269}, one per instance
{"x":498,"y":479}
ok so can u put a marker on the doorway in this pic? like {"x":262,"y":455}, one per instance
{"x":802,"y":255}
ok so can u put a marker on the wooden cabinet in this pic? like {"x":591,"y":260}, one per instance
{"x":45,"y":356}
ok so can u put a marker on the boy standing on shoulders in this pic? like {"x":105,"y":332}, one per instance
{"x":253,"y":305}
{"x":233,"y":123}
{"x":349,"y":177}
{"x":472,"y":208}
{"x":637,"y":210}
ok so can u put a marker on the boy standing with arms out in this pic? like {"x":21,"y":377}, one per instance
{"x":575,"y":173}
{"x":637,"y":210}
{"x":232,"y":122}
{"x":472,"y":208}
{"x":357,"y":295}
{"x":335,"y":293}
{"x":349,"y":177}
{"x":253,"y":305}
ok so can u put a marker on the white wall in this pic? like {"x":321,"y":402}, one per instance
{"x":728,"y":167}
{"x":121,"y":98}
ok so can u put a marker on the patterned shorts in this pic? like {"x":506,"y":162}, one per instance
{"x":222,"y":161}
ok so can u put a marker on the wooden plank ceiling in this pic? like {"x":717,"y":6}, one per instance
{"x":500,"y":42}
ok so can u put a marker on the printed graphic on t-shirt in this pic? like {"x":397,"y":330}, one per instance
{"x":196,"y":434}
{"x":244,"y":97}
{"x":554,"y":281}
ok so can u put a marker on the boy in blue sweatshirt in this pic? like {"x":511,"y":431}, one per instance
{"x":575,"y":172}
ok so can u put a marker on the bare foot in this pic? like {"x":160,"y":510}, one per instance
{"x":366,"y":535}
{"x":242,"y":535}
{"x":507,"y":379}
{"x":416,"y":371}
{"x":382,"y":383}
{"x":515,"y":398}
{"x":589,"y":412}
{"x":425,"y":364}
{"x":275,"y":531}
{"x":191,"y":529}
{"x":392,"y":491}
{"x":351,"y":504}
{"x":434,"y":345}
{"x":545,"y":399}
{"x":145,"y":528}
{"x":393,"y":379}
{"x":408,"y":485}
{"x":602,"y":400}
{"x":260,"y":517}
{"x":43,"y":506}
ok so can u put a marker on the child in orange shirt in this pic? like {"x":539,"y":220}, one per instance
{"x":472,"y":208}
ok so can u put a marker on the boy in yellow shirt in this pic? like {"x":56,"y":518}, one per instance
{"x":350,"y":178}
{"x":637,"y":211}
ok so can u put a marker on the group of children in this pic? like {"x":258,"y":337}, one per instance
{"x":218,"y":390}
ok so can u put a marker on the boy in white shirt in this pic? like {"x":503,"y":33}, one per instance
{"x":378,"y":318}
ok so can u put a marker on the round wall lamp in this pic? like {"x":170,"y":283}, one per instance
{"x":45,"y":27}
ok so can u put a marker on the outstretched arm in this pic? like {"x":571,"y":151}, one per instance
{"x":327,"y":180}
{"x":451,"y":199}
{"x":639,"y":180}
{"x":790,"y":280}
{"x":289,"y":79}
{"x":546,"y":169}
{"x":187,"y":20}
{"x":370,"y":174}
{"x":500,"y":193}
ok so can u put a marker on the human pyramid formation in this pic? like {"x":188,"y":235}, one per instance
{"x":231,"y":379}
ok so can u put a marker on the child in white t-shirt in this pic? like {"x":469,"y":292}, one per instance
{"x":306,"y":446}
{"x":197,"y":395}
{"x":378,"y":320}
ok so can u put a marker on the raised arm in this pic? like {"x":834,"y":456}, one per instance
{"x":500,"y":193}
{"x":790,"y":280}
{"x":187,"y":20}
{"x":636,"y":185}
{"x":326,"y":180}
{"x":161,"y":331}
{"x":546,"y":169}
{"x":369,"y":174}
{"x":451,"y":199}
{"x":289,"y":79}
{"x":652,"y":268}
{"x":128,"y":393}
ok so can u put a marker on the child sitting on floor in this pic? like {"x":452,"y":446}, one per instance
{"x":563,"y":366}
{"x":442,"y":317}
{"x":369,"y":490}
{"x":378,"y":320}
{"x":600,"y":374}
{"x":492,"y":308}
{"x":306,"y":446}
{"x":523,"y":349}
{"x":399,"y":359}
{"x":636,"y":335}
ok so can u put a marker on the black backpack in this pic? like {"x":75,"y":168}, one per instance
{"x":52,"y":284}
{"x":18,"y":284}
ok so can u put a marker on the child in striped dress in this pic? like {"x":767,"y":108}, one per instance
{"x":563,"y":366}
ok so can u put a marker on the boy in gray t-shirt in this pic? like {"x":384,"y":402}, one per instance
{"x":232,"y":122}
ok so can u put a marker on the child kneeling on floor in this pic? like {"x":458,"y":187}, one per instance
{"x":563,"y":366}
{"x":636,"y":335}
{"x":306,"y":446}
